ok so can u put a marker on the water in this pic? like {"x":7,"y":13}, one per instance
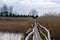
{"x":10,"y":36}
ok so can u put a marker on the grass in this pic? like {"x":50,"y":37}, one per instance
{"x":22,"y":24}
{"x":12,"y":24}
{"x":52,"y":23}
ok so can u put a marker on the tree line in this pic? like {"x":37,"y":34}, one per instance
{"x":7,"y":11}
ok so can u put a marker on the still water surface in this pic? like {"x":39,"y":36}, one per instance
{"x":10,"y":36}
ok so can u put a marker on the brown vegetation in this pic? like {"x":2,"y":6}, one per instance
{"x":14,"y":24}
{"x":52,"y":23}
{"x":22,"y":24}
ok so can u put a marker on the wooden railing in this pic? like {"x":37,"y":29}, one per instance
{"x":44,"y":31}
{"x":38,"y":32}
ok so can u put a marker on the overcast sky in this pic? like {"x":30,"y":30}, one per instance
{"x":24,"y":6}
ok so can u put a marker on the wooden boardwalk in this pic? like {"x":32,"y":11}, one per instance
{"x":37,"y":32}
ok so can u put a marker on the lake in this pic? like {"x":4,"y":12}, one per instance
{"x":10,"y":36}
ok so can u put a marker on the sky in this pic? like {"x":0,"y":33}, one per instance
{"x":25,"y":6}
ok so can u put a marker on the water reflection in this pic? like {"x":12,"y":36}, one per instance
{"x":10,"y":36}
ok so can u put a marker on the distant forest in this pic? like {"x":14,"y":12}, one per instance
{"x":8,"y":12}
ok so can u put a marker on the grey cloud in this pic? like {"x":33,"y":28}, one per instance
{"x":57,"y":1}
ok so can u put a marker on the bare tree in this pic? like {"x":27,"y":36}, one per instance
{"x":4,"y":10}
{"x":33,"y":13}
{"x":11,"y":11}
